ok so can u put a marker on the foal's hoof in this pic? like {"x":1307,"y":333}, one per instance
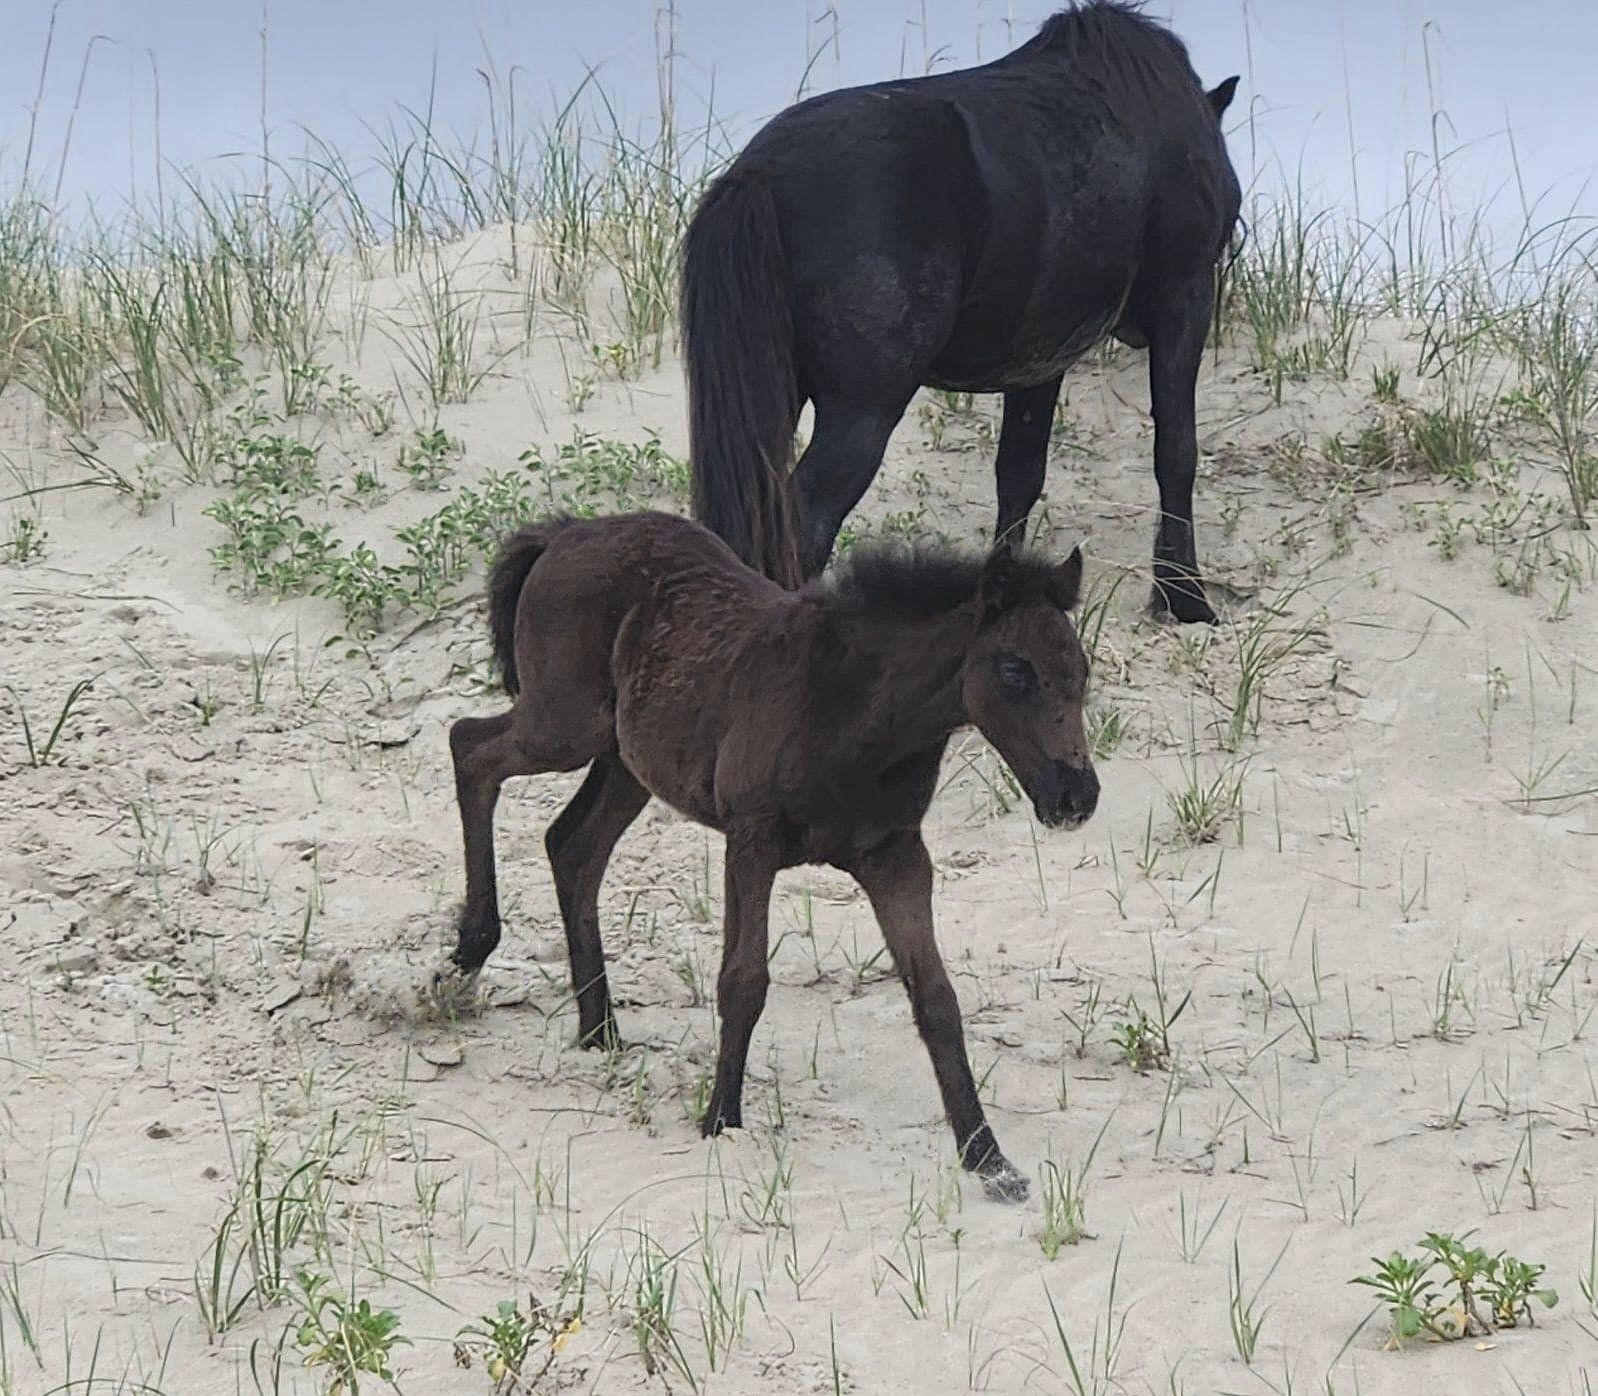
{"x":1004,"y":1182}
{"x":453,"y":989}
{"x":1181,"y":602}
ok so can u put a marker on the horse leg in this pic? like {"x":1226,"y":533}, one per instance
{"x":579,"y":844}
{"x":897,"y":877}
{"x":488,"y":751}
{"x":1023,"y":456}
{"x":486,"y":754}
{"x":1176,"y":348}
{"x":744,"y":978}
{"x":836,"y":469}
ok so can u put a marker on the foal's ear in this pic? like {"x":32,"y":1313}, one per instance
{"x":1221,"y":96}
{"x":1065,"y":581}
{"x":1000,"y":575}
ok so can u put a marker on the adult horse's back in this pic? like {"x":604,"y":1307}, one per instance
{"x":978,"y":230}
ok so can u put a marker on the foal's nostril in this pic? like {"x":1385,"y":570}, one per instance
{"x":1079,"y":790}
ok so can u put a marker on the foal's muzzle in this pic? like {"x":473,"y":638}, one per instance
{"x":1066,"y":796}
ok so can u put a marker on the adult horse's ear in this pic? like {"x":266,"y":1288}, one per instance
{"x":999,"y":578}
{"x":1065,"y":581}
{"x":1221,"y":96}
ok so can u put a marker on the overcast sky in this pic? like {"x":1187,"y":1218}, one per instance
{"x":1310,"y":68}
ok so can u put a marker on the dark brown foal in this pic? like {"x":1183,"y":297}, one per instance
{"x":807,"y":727}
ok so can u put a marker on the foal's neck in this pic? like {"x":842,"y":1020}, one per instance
{"x":916,"y":679}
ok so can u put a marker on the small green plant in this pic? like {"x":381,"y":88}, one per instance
{"x":505,"y":1341}
{"x":27,"y":539}
{"x":1436,"y":1293}
{"x":40,"y":755}
{"x":1065,"y":1200}
{"x":268,"y":464}
{"x":426,"y":458}
{"x":590,"y":475}
{"x":364,"y":586}
{"x":1106,"y":730}
{"x":1141,"y":1041}
{"x":1200,"y":807}
{"x":1244,"y":1316}
{"x":350,"y":1339}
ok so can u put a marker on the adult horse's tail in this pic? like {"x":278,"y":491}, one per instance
{"x":738,"y":342}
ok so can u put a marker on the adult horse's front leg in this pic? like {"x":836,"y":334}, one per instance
{"x":897,"y":877}
{"x":1176,"y":331}
{"x":1023,"y":456}
{"x":744,"y":978}
{"x":837,"y":468}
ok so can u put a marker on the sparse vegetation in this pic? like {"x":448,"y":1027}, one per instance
{"x":1351,"y":822}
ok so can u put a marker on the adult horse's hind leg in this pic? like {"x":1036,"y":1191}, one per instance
{"x":1023,"y":456}
{"x":1176,"y":332}
{"x":580,"y":843}
{"x":744,"y":978}
{"x":897,"y":877}
{"x":838,"y":466}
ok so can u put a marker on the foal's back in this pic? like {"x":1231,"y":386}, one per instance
{"x":632,"y":635}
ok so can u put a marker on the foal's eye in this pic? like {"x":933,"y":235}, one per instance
{"x":1016,"y":675}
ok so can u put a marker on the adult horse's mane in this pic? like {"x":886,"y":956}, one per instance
{"x":1112,"y":34}
{"x":928,"y":579}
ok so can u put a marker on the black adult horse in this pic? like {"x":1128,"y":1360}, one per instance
{"x":978,"y":230}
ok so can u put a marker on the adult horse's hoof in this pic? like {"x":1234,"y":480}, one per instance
{"x":1181,"y":602}
{"x":1004,"y":1182}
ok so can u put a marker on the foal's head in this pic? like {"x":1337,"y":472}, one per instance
{"x":1025,"y":682}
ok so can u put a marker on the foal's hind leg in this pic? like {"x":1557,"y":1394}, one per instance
{"x":487,"y":752}
{"x":486,"y":755}
{"x":1176,"y":348}
{"x":1023,"y":456}
{"x":897,"y":876}
{"x":579,"y":844}
{"x":837,"y":468}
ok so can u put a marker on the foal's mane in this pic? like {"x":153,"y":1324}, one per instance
{"x":1113,"y":34}
{"x":928,"y":579}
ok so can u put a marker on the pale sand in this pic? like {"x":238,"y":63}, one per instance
{"x":1378,"y":846}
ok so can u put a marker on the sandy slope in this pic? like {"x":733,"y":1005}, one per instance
{"x":1363,"y":949}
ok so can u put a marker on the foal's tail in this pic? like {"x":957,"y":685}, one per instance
{"x":738,"y":343}
{"x":517,"y":553}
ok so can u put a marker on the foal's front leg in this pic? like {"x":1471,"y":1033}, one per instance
{"x":741,"y":986}
{"x":579,"y":844}
{"x":897,"y":876}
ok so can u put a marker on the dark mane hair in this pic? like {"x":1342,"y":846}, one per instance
{"x":1112,"y":34}
{"x":926,"y":579}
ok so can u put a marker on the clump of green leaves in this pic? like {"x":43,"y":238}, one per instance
{"x":505,"y":1341}
{"x":26,"y":540}
{"x":590,"y":475}
{"x":350,"y":1339}
{"x":426,"y":458}
{"x":269,"y":544}
{"x":1140,"y":1040}
{"x":1452,"y":1290}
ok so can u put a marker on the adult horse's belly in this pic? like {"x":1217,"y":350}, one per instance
{"x":1029,"y":348}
